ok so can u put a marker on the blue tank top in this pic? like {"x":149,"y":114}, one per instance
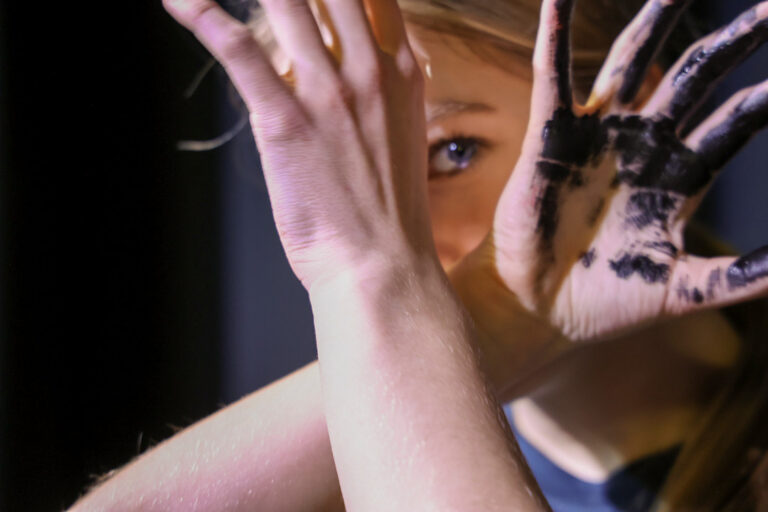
{"x":632,"y":488}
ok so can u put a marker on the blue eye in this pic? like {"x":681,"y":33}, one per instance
{"x":450,"y":156}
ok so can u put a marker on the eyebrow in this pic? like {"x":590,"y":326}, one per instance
{"x":450,"y":107}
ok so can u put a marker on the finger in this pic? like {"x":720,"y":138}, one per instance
{"x":327,"y":28}
{"x":387,"y":24}
{"x":350,"y":26}
{"x":688,"y":84}
{"x":297,"y":33}
{"x":234,"y":46}
{"x":635,"y":50}
{"x":552,"y":85}
{"x":706,"y":283}
{"x":730,"y":127}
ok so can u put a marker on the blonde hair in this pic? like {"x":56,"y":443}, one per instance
{"x":713,"y":469}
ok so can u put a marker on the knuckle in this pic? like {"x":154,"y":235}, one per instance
{"x":332,"y":96}
{"x":373,"y":77}
{"x":414,"y":74}
{"x":236,"y":44}
{"x":410,"y":69}
{"x":279,"y":127}
{"x":340,"y":93}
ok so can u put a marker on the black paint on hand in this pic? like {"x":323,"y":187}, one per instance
{"x":564,"y":10}
{"x":549,"y":213}
{"x":573,"y":140}
{"x":554,"y":172}
{"x":748,"y":269}
{"x":727,"y":138}
{"x":707,"y":65}
{"x":588,"y":258}
{"x":647,"y":206}
{"x":713,"y":283}
{"x":661,"y":20}
{"x":640,"y":264}
{"x":664,"y":247}
{"x":652,"y":156}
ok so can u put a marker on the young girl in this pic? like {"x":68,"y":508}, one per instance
{"x":560,"y":265}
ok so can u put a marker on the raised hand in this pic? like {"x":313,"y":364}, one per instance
{"x":345,"y":160}
{"x":588,"y":234}
{"x":344,"y":151}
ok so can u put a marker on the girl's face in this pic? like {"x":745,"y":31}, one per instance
{"x":477,"y":113}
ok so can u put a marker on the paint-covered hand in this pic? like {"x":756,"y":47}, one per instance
{"x":344,"y":148}
{"x":588,"y":235}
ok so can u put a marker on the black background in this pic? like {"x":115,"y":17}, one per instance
{"x":110,"y":243}
{"x":142,"y":286}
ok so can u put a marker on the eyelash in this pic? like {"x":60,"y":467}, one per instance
{"x":435,"y":147}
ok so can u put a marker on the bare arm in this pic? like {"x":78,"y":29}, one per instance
{"x":412,"y":422}
{"x":267,"y":452}
{"x":344,"y":158}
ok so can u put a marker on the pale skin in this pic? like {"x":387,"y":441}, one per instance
{"x":527,"y":332}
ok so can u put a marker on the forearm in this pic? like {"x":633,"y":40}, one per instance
{"x":268,"y":452}
{"x":412,"y":423}
{"x":282,"y":427}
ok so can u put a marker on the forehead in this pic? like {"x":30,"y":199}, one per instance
{"x":472,"y":72}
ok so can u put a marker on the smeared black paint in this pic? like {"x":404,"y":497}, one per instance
{"x":686,"y":294}
{"x":697,"y":296}
{"x":743,"y":122}
{"x":641,"y":264}
{"x":713,"y":282}
{"x":564,"y":9}
{"x":553,"y":172}
{"x":652,"y":156}
{"x":577,"y":179}
{"x":667,"y":248}
{"x":588,"y":258}
{"x":650,"y":153}
{"x":662,"y":19}
{"x":549,"y":215}
{"x":646,"y":207}
{"x":748,"y":269}
{"x":568,"y":138}
{"x":707,"y":65}
{"x":569,"y":143}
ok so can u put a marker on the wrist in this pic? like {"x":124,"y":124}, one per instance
{"x":385,"y":295}
{"x":378,"y":277}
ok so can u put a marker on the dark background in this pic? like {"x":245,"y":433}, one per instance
{"x":142,"y":287}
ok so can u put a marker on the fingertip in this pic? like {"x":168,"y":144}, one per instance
{"x":387,"y":24}
{"x":187,"y":12}
{"x":594,"y":103}
{"x":748,"y":269}
{"x":180,"y":7}
{"x":762,"y":9}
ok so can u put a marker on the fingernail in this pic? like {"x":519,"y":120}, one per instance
{"x":384,"y":21}
{"x":180,"y":5}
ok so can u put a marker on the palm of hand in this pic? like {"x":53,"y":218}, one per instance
{"x":588,"y":232}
